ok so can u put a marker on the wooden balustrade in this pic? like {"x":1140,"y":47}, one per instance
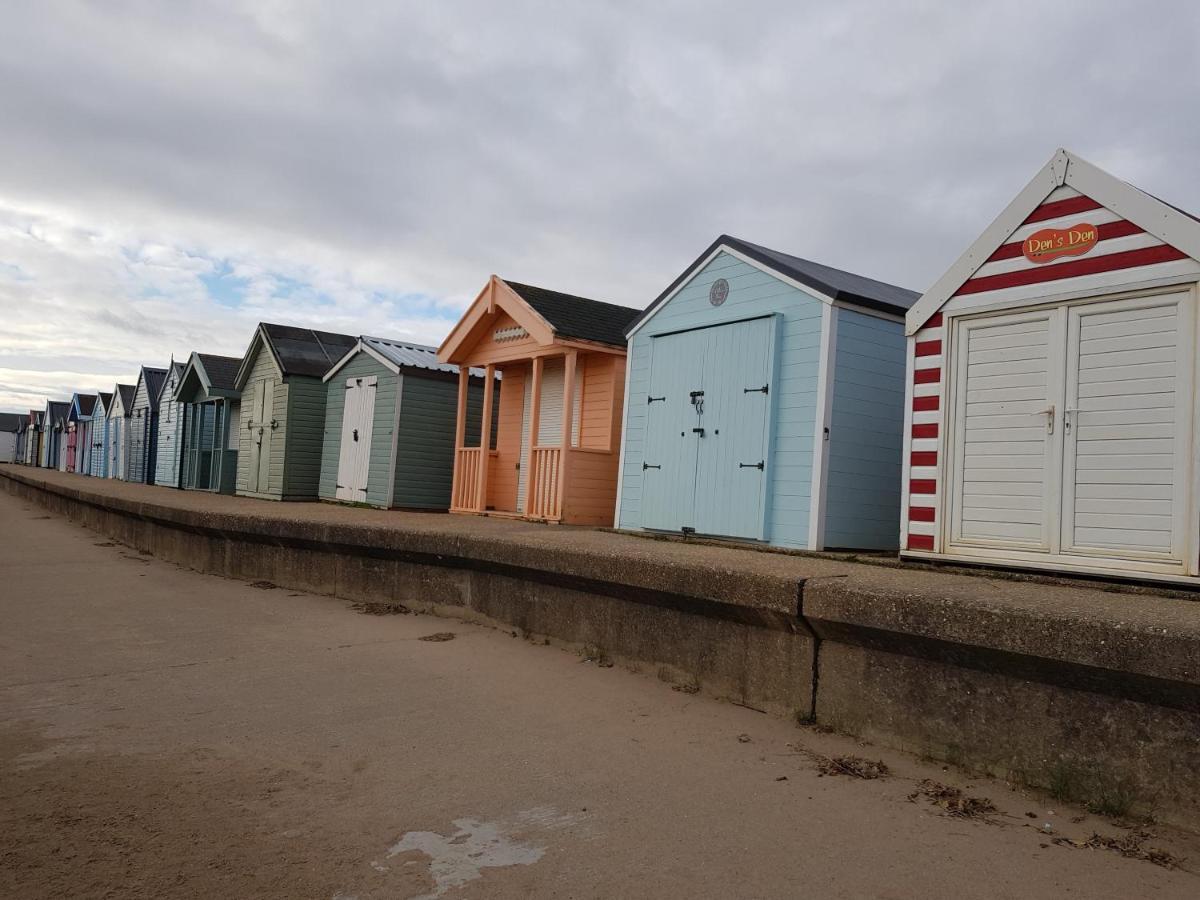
{"x":545,"y":497}
{"x":468,"y":471}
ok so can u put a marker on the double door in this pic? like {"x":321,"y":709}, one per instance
{"x":1072,"y":432}
{"x":705,"y":462}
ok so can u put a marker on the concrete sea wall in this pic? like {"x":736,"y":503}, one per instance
{"x":1092,"y":694}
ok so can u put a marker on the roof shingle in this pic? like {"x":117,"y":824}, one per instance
{"x":578,"y":317}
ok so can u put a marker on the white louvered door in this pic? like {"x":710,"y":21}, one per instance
{"x":1127,"y":428}
{"x":1005,"y":442}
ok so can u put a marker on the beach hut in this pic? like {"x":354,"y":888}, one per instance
{"x":1051,"y":418}
{"x":10,"y":431}
{"x":53,"y":453}
{"x":765,"y":403}
{"x":143,"y":425}
{"x":390,"y":417}
{"x":33,"y":450}
{"x":79,"y":420}
{"x":118,"y":432}
{"x":282,"y":423}
{"x":170,"y":429}
{"x":207,"y":388}
{"x":553,"y":453}
{"x":98,"y":454}
{"x":22,"y":436}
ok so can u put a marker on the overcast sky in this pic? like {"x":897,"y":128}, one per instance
{"x":173,"y":173}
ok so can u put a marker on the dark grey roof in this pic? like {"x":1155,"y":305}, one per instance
{"x":221,"y":370}
{"x":303,"y":351}
{"x":127,"y":391}
{"x":58,"y":410}
{"x":154,"y":381}
{"x":105,"y":399}
{"x":87,"y":403}
{"x":831,"y":282}
{"x":11,"y":421}
{"x":578,"y":317}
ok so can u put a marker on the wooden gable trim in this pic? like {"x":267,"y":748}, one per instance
{"x":1168,"y":224}
{"x":495,"y":294}
{"x":250,"y":357}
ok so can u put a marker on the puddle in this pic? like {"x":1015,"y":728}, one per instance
{"x":461,"y":857}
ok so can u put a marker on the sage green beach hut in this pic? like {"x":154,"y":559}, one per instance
{"x":282,"y":422}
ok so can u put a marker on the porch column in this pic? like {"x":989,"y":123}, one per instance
{"x":460,"y":434}
{"x":485,"y":433}
{"x":564,"y":461}
{"x":535,"y":424}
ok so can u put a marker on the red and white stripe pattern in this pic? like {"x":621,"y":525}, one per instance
{"x":924,"y":435}
{"x":1007,"y":276}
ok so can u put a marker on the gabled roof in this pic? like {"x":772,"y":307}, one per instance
{"x":296,"y":351}
{"x":57,"y":410}
{"x":220,"y":371}
{"x":577,"y":318}
{"x":83,"y":404}
{"x":830,"y":283}
{"x":104,"y":399}
{"x":1168,"y":223}
{"x":10,"y":421}
{"x":125,"y":393}
{"x":174,"y":371}
{"x":154,"y":378}
{"x":399,"y":355}
{"x":216,"y":375}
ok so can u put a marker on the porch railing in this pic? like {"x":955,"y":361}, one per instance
{"x":468,"y":468}
{"x":543,"y":483}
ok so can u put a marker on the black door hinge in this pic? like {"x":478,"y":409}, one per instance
{"x":758,"y":465}
{"x":650,"y":400}
{"x":647,"y":465}
{"x":762,"y":390}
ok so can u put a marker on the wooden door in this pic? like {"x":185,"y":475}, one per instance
{"x":674,"y":407}
{"x":354,"y":455}
{"x":1127,"y":428}
{"x":1005,"y":442}
{"x":262,"y":407}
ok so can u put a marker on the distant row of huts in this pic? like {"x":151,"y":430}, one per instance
{"x":1035,"y":408}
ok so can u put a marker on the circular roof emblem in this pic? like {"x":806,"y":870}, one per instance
{"x":718,"y":292}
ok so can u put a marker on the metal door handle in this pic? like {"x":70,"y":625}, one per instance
{"x":1050,"y":421}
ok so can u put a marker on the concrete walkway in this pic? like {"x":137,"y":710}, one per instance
{"x":169,"y":734}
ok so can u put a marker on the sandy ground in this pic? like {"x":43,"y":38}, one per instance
{"x":170,"y":734}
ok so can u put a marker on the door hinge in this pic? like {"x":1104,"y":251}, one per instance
{"x":758,"y":465}
{"x":650,"y":400}
{"x":687,"y":529}
{"x":647,"y":465}
{"x":765,"y":389}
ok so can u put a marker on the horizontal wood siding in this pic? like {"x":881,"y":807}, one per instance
{"x":170,"y":435}
{"x":425,"y":451}
{"x":862,"y":507}
{"x":752,"y":292}
{"x":595,"y":384}
{"x":264,"y":367}
{"x":379,"y":470}
{"x":306,"y":398}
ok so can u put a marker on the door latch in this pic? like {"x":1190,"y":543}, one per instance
{"x":356,"y":434}
{"x":699,"y":431}
{"x":1049,"y":411}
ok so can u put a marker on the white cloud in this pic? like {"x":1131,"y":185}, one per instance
{"x":365,"y":166}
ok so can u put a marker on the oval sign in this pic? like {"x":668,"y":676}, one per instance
{"x":1050,"y":244}
{"x":718,"y":292}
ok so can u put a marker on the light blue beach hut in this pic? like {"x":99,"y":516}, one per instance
{"x":764,"y":403}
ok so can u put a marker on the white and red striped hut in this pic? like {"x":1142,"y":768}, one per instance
{"x":1051,"y":387}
